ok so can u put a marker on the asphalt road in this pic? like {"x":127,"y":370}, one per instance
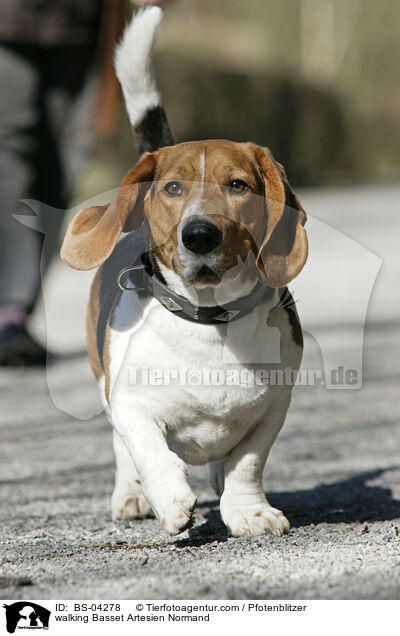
{"x":334,"y":470}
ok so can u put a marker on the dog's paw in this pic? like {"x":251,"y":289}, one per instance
{"x":170,"y":495}
{"x":176,"y":515}
{"x":253,"y":520}
{"x":129,"y":504}
{"x":174,"y":507}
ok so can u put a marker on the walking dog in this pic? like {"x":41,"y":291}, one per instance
{"x":212,"y":233}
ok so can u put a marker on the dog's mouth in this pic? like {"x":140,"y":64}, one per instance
{"x":209,"y":269}
{"x":205,"y":276}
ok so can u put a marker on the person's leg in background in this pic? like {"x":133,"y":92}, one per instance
{"x":67,"y":107}
{"x":44,"y":138}
{"x":19,"y":246}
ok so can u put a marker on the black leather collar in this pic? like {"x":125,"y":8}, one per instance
{"x":146,"y":281}
{"x":142,"y":278}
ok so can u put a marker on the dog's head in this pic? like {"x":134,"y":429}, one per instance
{"x":210,"y":206}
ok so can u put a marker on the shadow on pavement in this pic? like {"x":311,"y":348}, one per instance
{"x":213,"y":531}
{"x":344,"y":501}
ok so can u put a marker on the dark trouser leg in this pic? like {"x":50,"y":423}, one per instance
{"x":66,"y":131}
{"x":19,"y":118}
{"x":44,"y":138}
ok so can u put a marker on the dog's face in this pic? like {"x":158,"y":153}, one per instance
{"x":202,"y":210}
{"x":212,"y":207}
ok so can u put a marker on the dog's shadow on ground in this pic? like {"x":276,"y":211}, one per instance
{"x":344,"y":501}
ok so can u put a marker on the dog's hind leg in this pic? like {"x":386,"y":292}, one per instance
{"x":217,"y":477}
{"x":128,"y":501}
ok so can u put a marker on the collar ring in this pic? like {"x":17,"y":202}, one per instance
{"x":123,"y":285}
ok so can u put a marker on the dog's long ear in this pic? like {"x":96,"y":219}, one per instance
{"x":93,"y":232}
{"x":284,"y":248}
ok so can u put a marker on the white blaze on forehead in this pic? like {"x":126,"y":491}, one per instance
{"x":193,"y":208}
{"x":203,"y":165}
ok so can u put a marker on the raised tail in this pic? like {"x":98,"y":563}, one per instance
{"x":134,"y":71}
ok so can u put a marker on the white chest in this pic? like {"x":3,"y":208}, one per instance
{"x":199,"y":381}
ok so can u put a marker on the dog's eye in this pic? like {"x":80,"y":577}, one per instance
{"x":237,"y":186}
{"x":173,"y":188}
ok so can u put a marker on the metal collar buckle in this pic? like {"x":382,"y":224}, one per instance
{"x":123,"y":285}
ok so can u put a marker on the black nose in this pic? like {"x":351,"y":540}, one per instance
{"x":201,"y":237}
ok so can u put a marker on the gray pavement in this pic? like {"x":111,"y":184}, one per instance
{"x":334,"y":470}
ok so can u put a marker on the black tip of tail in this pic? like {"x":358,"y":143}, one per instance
{"x":153,"y":131}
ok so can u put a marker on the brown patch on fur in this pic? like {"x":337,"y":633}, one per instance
{"x":284,"y":249}
{"x":93,"y":232}
{"x":92,"y":318}
{"x":287,"y":304}
{"x":297,"y":331}
{"x":84,"y":223}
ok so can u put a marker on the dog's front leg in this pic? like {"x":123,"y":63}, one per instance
{"x":128,"y":500}
{"x":162,"y":473}
{"x":244,"y":507}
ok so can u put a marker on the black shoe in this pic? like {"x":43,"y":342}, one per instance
{"x":19,"y":349}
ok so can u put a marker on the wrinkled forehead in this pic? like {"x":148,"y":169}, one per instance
{"x":216,"y":161}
